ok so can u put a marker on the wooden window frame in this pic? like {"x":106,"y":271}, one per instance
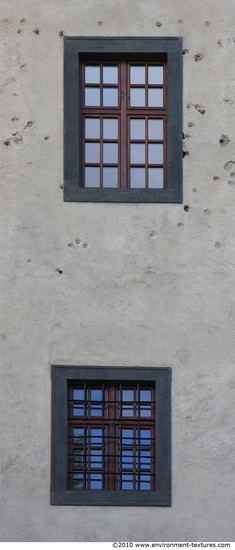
{"x":111,"y":423}
{"x":123,"y":112}
{"x":62,"y":378}
{"x":78,"y":49}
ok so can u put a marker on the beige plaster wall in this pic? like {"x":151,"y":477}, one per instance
{"x":148,"y":284}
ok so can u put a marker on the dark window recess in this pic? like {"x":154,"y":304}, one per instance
{"x":111,"y":436}
{"x":123,"y":120}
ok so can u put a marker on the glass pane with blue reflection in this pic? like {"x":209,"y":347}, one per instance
{"x":110,"y":153}
{"x":127,"y":481}
{"x":92,"y":153}
{"x":92,"y":74}
{"x":155,"y":153}
{"x":78,"y":408}
{"x":110,"y":177}
{"x":155,"y":178}
{"x":145,"y":437}
{"x":137,"y":153}
{"x":155,"y":129}
{"x":145,"y":482}
{"x":110,"y":74}
{"x":92,"y":176}
{"x":127,"y":437}
{"x":96,"y":437}
{"x":92,"y":128}
{"x":127,"y":460}
{"x":155,"y":97}
{"x":145,"y":408}
{"x":110,"y":128}
{"x":96,"y":458}
{"x":137,"y":98}
{"x":92,"y":97}
{"x":137,"y":74}
{"x":155,"y":74}
{"x":137,"y":179}
{"x":137,"y":128}
{"x":96,"y":407}
{"x":110,"y":97}
{"x":96,"y":480}
{"x":127,"y":396}
{"x":144,"y":459}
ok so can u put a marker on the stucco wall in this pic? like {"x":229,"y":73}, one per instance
{"x":114,"y":284}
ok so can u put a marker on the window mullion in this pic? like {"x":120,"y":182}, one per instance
{"x":111,"y":438}
{"x":124,"y":130}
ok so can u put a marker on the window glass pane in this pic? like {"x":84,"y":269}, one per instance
{"x":137,"y":178}
{"x":92,"y":128}
{"x":78,"y":458}
{"x":110,"y":97}
{"x":96,"y":480}
{"x":78,"y":436}
{"x":96,"y":408}
{"x":92,"y":74}
{"x":137,"y":74}
{"x":155,"y":153}
{"x":110,"y":128}
{"x":127,"y":481}
{"x":92,"y":153}
{"x":110,"y":177}
{"x":137,"y":97}
{"x":155,"y":74}
{"x":145,"y":482}
{"x":145,"y":395}
{"x":110,"y":153}
{"x":137,"y":153}
{"x":96,"y":436}
{"x":78,"y":481}
{"x":110,"y":74}
{"x":127,"y":459}
{"x":145,"y":408}
{"x":78,"y":409}
{"x":92,"y":97}
{"x":127,"y":395}
{"x":155,"y":97}
{"x":78,"y":394}
{"x":92,"y":176}
{"x":137,"y":128}
{"x":145,"y":437}
{"x":155,"y":128}
{"x":96,"y":395}
{"x":127,"y":437}
{"x":155,"y":176}
{"x":145,"y":459}
{"x":96,"y":458}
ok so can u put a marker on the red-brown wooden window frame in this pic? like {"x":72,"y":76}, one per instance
{"x":124,"y":112}
{"x":111,"y":422}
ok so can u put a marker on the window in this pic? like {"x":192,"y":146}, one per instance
{"x":123,"y":127}
{"x":110,"y":436}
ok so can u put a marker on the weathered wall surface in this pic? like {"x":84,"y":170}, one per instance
{"x":114,"y":284}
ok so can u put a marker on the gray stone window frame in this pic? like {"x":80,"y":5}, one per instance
{"x":63,"y":375}
{"x":78,"y":48}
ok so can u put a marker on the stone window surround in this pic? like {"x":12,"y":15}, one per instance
{"x":62,"y":376}
{"x":78,"y":48}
